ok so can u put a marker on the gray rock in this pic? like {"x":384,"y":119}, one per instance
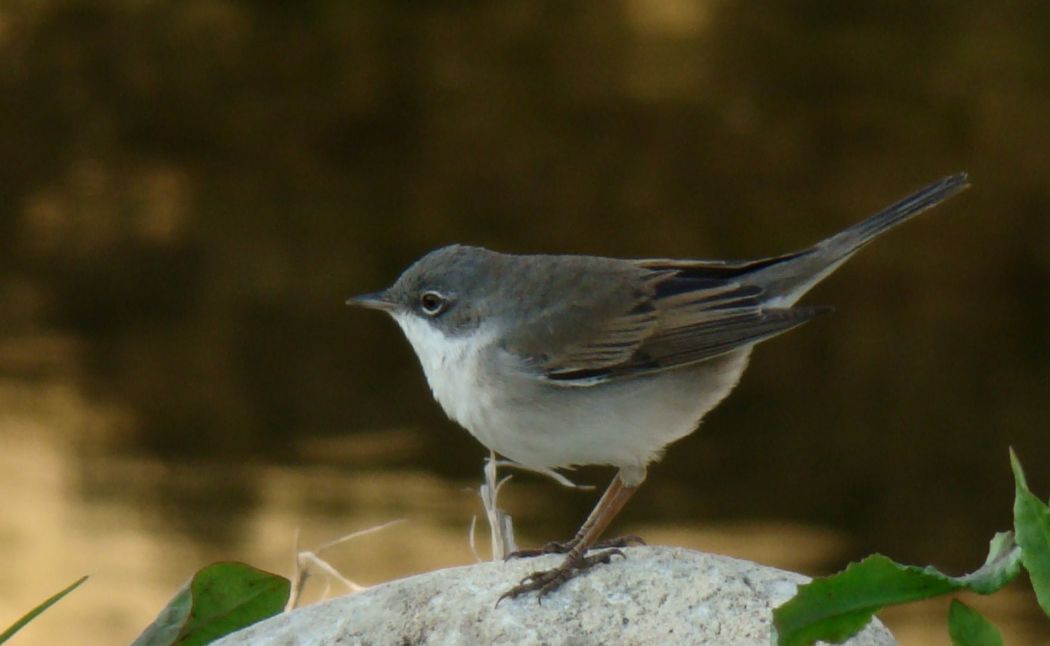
{"x":658,"y":595}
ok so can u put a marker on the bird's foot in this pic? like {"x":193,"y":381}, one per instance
{"x":546,"y":581}
{"x":620,"y":541}
{"x":564,"y":547}
{"x":553,"y":547}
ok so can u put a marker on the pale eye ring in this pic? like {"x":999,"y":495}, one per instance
{"x":432,"y":303}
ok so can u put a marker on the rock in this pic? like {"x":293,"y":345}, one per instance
{"x":657,"y":595}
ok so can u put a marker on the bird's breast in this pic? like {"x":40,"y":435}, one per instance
{"x":622,"y":423}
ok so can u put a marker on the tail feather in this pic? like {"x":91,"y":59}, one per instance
{"x":787,"y":281}
{"x":858,"y":235}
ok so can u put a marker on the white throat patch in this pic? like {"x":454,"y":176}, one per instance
{"x":451,"y":365}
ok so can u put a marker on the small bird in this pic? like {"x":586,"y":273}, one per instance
{"x":555,"y":361}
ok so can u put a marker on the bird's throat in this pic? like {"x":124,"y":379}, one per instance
{"x":453,"y":366}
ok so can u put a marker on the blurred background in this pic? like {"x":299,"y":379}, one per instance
{"x":190,"y":190}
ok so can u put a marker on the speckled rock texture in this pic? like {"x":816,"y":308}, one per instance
{"x":657,"y":595}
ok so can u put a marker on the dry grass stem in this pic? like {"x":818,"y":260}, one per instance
{"x":501,"y":525}
{"x":307,"y":559}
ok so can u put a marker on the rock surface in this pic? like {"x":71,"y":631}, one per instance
{"x":658,"y":595}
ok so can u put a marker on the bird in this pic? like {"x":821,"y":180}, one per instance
{"x":556,"y":361}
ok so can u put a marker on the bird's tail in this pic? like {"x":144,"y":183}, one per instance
{"x":797,"y":273}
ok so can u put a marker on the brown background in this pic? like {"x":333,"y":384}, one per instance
{"x":189,"y":191}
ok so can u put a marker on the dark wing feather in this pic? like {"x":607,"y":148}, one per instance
{"x":691,"y":312}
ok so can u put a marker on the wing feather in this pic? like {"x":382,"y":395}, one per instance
{"x":687,"y":313}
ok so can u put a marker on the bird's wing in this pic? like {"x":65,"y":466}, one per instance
{"x":684,"y":312}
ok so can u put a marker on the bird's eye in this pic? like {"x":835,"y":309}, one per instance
{"x":432,"y":303}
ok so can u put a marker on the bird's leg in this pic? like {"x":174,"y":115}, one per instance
{"x":576,"y":559}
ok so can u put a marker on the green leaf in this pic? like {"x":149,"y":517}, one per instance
{"x":32,"y":614}
{"x":230,"y":596}
{"x":166,"y":628}
{"x":1032,"y":524}
{"x":837,"y":607}
{"x":220,"y":599}
{"x":1001,"y":567}
{"x":967,"y":627}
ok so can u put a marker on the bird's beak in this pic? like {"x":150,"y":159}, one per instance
{"x":374,"y":301}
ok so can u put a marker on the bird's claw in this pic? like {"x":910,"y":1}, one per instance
{"x":553,"y":547}
{"x":546,"y":581}
{"x":564,"y":547}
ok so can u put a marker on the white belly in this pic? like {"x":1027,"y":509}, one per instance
{"x":623,"y":423}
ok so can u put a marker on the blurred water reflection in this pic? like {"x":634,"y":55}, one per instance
{"x":188,"y":191}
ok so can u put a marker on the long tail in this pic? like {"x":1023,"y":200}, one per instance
{"x":798,"y":273}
